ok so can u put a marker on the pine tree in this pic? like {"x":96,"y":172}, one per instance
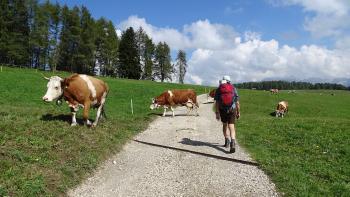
{"x":16,"y":20}
{"x":39,"y":35}
{"x":148,"y":59}
{"x":86,"y":46}
{"x":54,"y":31}
{"x":129,"y":64}
{"x":69,"y":40}
{"x":112,"y":45}
{"x":4,"y":32}
{"x":106,"y":47}
{"x":163,"y":67}
{"x":141,"y":45}
{"x":100,"y":45}
{"x":182,"y":65}
{"x":145,"y":49}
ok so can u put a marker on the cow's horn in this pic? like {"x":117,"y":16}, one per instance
{"x":45,"y":77}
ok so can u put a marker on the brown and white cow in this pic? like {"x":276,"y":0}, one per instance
{"x":274,"y":91}
{"x":281,"y":109}
{"x":78,"y":91}
{"x":173,"y":98}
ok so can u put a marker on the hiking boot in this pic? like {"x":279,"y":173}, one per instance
{"x":227,"y":142}
{"x":232,"y":146}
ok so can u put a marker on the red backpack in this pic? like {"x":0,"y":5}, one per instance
{"x":227,"y":92}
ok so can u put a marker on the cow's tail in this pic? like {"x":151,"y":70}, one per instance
{"x":104,"y":105}
{"x":104,"y":113}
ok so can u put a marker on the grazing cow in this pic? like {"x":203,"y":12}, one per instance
{"x":281,"y":109}
{"x":274,"y":91}
{"x":173,"y":98}
{"x":78,"y":91}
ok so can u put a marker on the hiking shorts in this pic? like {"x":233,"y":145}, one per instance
{"x":228,"y":116}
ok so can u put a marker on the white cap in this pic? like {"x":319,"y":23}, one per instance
{"x":227,"y":78}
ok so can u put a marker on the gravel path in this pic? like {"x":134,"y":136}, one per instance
{"x":180,"y":156}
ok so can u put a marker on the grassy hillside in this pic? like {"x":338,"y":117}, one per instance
{"x":307,"y":153}
{"x":41,"y":154}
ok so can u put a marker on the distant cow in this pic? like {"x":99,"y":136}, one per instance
{"x":281,"y":109}
{"x":78,"y":90}
{"x":274,"y":91}
{"x":173,"y":98}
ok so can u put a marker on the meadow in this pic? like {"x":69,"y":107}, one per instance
{"x":307,"y":153}
{"x":41,"y":154}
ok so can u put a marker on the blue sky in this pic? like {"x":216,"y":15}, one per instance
{"x":250,"y":40}
{"x":283,"y":23}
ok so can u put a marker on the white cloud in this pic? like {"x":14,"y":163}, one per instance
{"x":199,"y":34}
{"x":328,"y":19}
{"x":216,"y":50}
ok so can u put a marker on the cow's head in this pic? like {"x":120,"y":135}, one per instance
{"x":54,"y":88}
{"x":154,"y":104}
{"x":279,"y":113}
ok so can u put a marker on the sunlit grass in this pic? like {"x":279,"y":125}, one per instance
{"x":41,"y":154}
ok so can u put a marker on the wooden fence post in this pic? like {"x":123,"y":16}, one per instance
{"x":132,"y":107}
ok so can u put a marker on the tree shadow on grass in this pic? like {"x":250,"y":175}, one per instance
{"x":199,"y":153}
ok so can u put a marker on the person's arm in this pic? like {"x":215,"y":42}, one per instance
{"x":238,"y":107}
{"x":217,"y":113}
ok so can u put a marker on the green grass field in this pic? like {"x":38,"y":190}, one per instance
{"x":41,"y":154}
{"x":307,"y":153}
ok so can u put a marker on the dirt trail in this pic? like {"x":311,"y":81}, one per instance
{"x":179,"y":156}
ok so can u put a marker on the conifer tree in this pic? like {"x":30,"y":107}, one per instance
{"x":163,"y":67}
{"x":16,"y":19}
{"x":181,"y":65}
{"x":129,"y":64}
{"x":148,"y":59}
{"x":69,"y":40}
{"x":86,"y":46}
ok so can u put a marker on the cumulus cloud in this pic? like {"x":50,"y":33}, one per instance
{"x":329,"y":18}
{"x":216,"y":50}
{"x":201,"y":34}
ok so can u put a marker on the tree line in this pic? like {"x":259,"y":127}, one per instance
{"x":49,"y":36}
{"x":285,"y":85}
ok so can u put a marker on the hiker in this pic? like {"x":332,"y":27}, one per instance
{"x":227,"y":110}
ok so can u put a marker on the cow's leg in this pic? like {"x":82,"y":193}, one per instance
{"x":196,"y":110}
{"x":188,"y":110}
{"x":172,"y":109}
{"x":74,"y":111}
{"x":100,"y":109}
{"x":165,"y":107}
{"x":86,"y":113}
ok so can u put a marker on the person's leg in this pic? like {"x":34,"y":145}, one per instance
{"x":226,"y":134}
{"x":232,"y":131}
{"x":231,"y":126}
